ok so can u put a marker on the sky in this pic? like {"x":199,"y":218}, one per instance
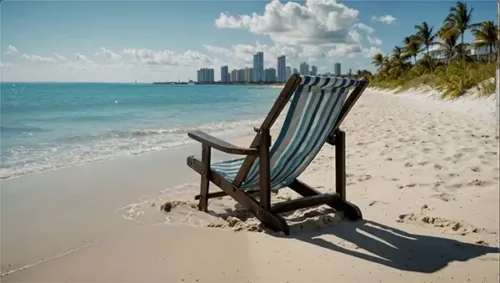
{"x":124,"y":41}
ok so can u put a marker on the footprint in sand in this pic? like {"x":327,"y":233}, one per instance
{"x":479,"y":183}
{"x":423,"y":163}
{"x":475,"y":169}
{"x":408,"y":164}
{"x":438,"y":167}
{"x":490,"y":153}
{"x":376,"y":202}
{"x":486,"y":163}
{"x":454,"y":186}
{"x":444,"y":197}
{"x":364,"y":178}
{"x":452,"y":226}
{"x":468,"y":149}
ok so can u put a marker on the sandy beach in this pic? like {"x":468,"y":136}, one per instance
{"x":424,"y":172}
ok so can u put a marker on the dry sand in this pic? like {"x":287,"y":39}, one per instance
{"x":424,"y":172}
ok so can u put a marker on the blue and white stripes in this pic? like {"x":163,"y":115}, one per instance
{"x":314,"y":109}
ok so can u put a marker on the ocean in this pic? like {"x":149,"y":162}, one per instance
{"x":45,"y":126}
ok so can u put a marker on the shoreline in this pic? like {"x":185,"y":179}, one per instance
{"x":415,"y":168}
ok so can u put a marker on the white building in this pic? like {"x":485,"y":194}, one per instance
{"x":270,"y":75}
{"x":282,"y":69}
{"x":314,"y":70}
{"x":288,"y":73}
{"x":304,"y":69}
{"x":224,"y":74}
{"x":205,"y":75}
{"x":258,"y":67}
{"x":338,"y":70}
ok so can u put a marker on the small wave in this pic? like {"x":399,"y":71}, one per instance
{"x":22,"y":129}
{"x":88,"y":148}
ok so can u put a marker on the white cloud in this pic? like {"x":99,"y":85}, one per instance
{"x":107,"y":53}
{"x":60,"y":57}
{"x":342,"y":50}
{"x":37,"y":58}
{"x":241,"y":55}
{"x":366,"y":28}
{"x":167,"y":57}
{"x":374,"y":40}
{"x":370,"y":52}
{"x":5,"y":65}
{"x":82,"y":58}
{"x":387,"y":19}
{"x":312,"y":53}
{"x":11,"y":50}
{"x":316,"y":22}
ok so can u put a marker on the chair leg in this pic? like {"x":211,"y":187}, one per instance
{"x":264,"y":170}
{"x":340,"y":174}
{"x":205,"y":178}
{"x":351,"y":211}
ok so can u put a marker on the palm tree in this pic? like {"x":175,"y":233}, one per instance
{"x":459,"y":20}
{"x":412,"y":46}
{"x":486,"y":34}
{"x":397,"y":61}
{"x":378,"y":61}
{"x":425,"y":36}
{"x":448,"y":45}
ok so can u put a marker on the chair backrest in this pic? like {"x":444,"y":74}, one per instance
{"x":313,"y":112}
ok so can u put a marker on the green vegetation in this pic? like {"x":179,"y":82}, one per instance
{"x":455,"y":72}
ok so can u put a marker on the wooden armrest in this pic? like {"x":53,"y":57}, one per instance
{"x":220,"y":144}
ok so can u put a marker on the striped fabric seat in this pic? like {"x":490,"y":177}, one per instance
{"x":314,"y":109}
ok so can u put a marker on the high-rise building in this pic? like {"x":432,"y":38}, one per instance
{"x":205,"y":75}
{"x":258,"y":67}
{"x":234,"y":76}
{"x":248,"y":75}
{"x":282,"y":69}
{"x":304,"y":69}
{"x":224,"y":74}
{"x":288,"y":73}
{"x":337,"y":69}
{"x":270,"y":75}
{"x":295,"y":71}
{"x":314,"y":70}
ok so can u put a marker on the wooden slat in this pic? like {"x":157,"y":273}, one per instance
{"x":310,"y":201}
{"x":223,"y":194}
{"x":351,"y":211}
{"x":274,"y":113}
{"x":349,"y":103}
{"x":221,"y":145}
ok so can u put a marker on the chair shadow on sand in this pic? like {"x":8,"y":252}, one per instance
{"x":396,"y":248}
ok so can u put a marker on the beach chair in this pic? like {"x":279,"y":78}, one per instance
{"x":316,"y":110}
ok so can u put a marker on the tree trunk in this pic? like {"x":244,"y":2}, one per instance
{"x":464,"y":50}
{"x":429,"y":58}
{"x":490,"y":55}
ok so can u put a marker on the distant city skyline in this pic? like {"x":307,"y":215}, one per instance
{"x":257,"y":73}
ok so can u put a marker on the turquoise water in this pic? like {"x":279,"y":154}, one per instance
{"x":45,"y":126}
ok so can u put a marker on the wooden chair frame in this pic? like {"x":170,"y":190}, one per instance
{"x":266,"y":212}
